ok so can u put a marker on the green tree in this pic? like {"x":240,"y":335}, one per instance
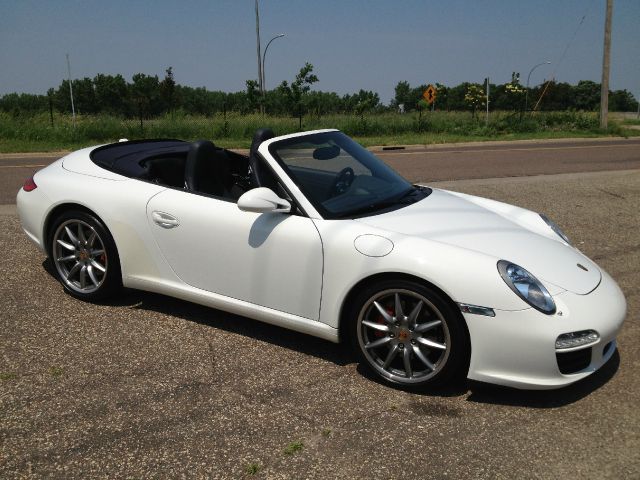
{"x":111,"y":94}
{"x":515,"y":93}
{"x":475,"y":98}
{"x":455,"y":97}
{"x":361,"y":102}
{"x":61,"y":98}
{"x":84,"y":96}
{"x":586,"y":95}
{"x":145,"y":93}
{"x":622,"y":101}
{"x":557,"y":96}
{"x":23,"y":103}
{"x":321,"y":103}
{"x":253,"y":95}
{"x":295,"y":92}
{"x":442,"y":97}
{"x":168,"y":89}
{"x":403,"y":96}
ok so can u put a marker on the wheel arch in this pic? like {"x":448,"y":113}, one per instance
{"x":59,"y":210}
{"x":342,"y":323}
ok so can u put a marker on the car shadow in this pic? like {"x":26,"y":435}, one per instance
{"x":211,"y":317}
{"x":456,"y":388}
{"x":139,"y":300}
{"x":341,"y":354}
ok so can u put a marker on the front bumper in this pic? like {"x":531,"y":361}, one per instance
{"x":517,"y":348}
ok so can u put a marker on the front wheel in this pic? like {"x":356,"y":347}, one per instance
{"x":85,"y":256}
{"x":408,"y":334}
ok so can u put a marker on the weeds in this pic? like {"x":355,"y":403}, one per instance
{"x":235,"y":130}
{"x":293,"y":447}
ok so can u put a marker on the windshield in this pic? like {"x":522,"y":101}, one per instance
{"x":341,"y":178}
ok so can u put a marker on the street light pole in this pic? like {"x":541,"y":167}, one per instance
{"x":526,"y":94}
{"x":258,"y":48}
{"x":264,"y":56}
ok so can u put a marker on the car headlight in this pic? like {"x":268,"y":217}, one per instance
{"x":527,"y":287}
{"x":553,"y":226}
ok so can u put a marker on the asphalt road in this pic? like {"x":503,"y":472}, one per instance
{"x":514,"y":159}
{"x":435,"y":162}
{"x":149,"y":386}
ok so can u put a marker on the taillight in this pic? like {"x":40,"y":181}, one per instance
{"x":29,"y":185}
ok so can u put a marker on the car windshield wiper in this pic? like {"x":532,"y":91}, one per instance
{"x":405,"y":198}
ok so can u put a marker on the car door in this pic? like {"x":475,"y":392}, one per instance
{"x":271,"y":259}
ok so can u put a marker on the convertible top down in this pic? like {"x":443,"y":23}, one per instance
{"x":312,"y":232}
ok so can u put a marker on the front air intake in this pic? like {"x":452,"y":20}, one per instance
{"x":574,"y":361}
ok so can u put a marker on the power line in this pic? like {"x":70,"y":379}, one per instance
{"x":557,"y":64}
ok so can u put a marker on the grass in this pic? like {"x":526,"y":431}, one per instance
{"x":253,"y":468}
{"x":35,"y":133}
{"x":5,"y":376}
{"x":56,"y":371}
{"x":293,"y":447}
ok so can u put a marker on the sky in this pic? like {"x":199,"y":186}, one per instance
{"x":368,"y":44}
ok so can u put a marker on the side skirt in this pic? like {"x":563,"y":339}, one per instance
{"x":238,"y":307}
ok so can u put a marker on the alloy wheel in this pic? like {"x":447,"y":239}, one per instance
{"x":79,"y":256}
{"x":403,"y":336}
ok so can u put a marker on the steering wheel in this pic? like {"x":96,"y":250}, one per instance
{"x":343,"y":181}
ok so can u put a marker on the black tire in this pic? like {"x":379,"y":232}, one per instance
{"x":418,"y":341}
{"x":80,"y":246}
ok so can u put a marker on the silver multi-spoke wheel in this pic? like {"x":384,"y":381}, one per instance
{"x":80,"y":256}
{"x":404,"y":336}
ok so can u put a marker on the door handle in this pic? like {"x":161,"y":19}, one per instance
{"x":165,"y":220}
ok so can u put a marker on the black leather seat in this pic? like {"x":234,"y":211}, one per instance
{"x":207,"y":170}
{"x":261,"y":175}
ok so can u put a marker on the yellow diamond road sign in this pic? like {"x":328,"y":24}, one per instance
{"x":430,"y":94}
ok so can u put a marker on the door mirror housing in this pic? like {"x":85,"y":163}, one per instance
{"x":263,"y":200}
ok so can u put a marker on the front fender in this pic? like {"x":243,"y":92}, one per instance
{"x":463,"y":275}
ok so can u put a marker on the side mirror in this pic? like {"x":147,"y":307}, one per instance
{"x":263,"y":200}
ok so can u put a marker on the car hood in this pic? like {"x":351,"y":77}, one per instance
{"x":460,"y":221}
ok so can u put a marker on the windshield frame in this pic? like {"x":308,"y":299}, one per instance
{"x":386,"y":203}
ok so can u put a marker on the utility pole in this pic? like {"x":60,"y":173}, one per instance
{"x":258,"y":48}
{"x":604,"y":89}
{"x":73,"y":109}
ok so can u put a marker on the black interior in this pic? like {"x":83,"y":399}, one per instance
{"x":260,"y":174}
{"x":167,"y":170}
{"x":199,"y":167}
{"x":207,"y":170}
{"x":319,"y":184}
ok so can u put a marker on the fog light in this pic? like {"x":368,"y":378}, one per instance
{"x":576,"y":339}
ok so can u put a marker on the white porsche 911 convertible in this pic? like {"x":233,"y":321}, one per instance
{"x":312,"y":232}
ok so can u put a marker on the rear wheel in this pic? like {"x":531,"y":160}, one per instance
{"x":408,"y":334}
{"x":85,"y":256}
